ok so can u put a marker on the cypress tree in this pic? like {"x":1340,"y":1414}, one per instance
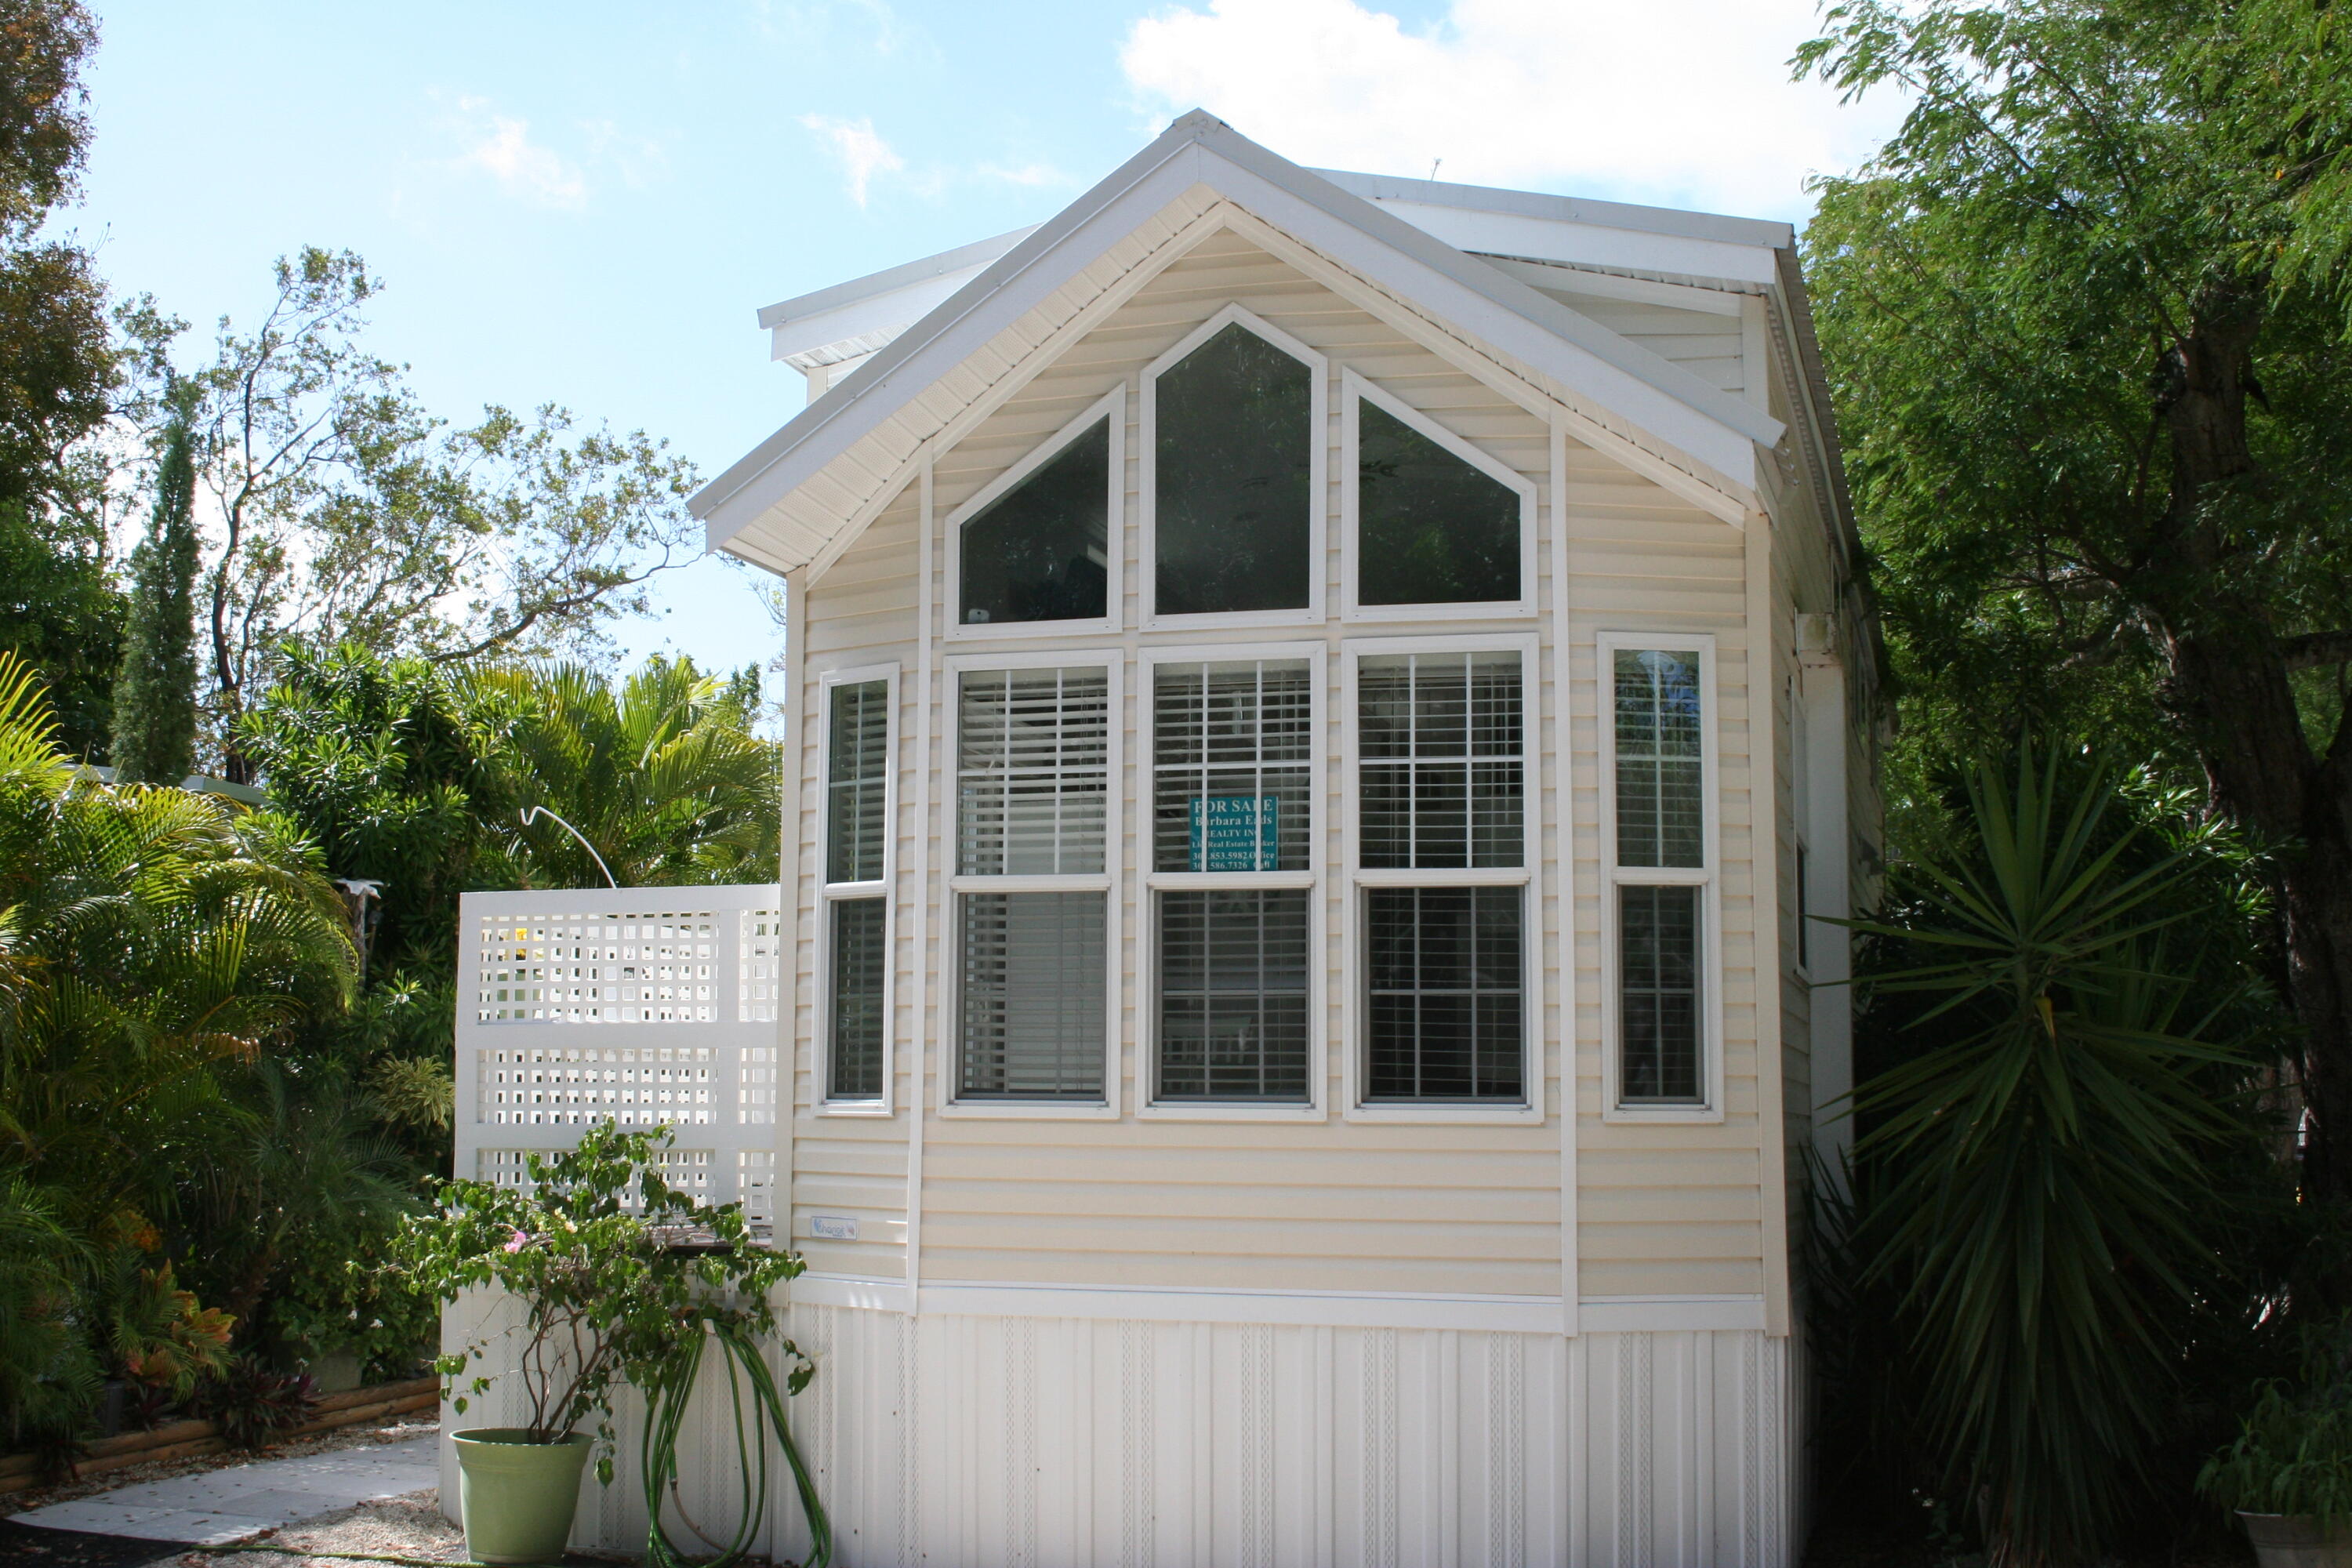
{"x":155,"y":693}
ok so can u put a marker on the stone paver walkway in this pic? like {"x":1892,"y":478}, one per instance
{"x":215,"y":1507}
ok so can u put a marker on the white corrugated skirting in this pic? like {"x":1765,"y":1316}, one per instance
{"x":1021,"y":1442}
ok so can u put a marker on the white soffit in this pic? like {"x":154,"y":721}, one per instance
{"x":745,"y":509}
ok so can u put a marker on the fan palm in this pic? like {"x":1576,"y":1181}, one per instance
{"x":664,"y":777}
{"x":2038,"y":1168}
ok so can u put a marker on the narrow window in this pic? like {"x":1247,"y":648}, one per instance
{"x":1032,"y":777}
{"x":1442,"y":790}
{"x":1232,"y":751}
{"x":1040,"y":551}
{"x":1660,"y":872}
{"x":857,"y":934}
{"x":1430,"y":526}
{"x":1231,"y":459}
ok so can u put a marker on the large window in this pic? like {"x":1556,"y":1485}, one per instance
{"x":855,"y":903}
{"x":1037,"y":546}
{"x":1232,"y":450}
{"x":1432,"y":525}
{"x":1032,"y":774}
{"x":1442,"y":876}
{"x":1232,"y":743}
{"x":1661,"y":876}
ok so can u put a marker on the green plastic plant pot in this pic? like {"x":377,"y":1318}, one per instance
{"x":517,"y":1497}
{"x":2296,"y":1541}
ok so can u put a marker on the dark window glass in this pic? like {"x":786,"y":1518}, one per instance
{"x":1233,"y":995}
{"x":1443,"y":774}
{"x":1660,"y":782}
{"x":1230,"y":749}
{"x":1657,"y":995}
{"x":1443,"y":993}
{"x":1040,"y":550}
{"x":1430,"y":528}
{"x":1031,"y":997}
{"x":855,"y":768}
{"x":858,"y":957}
{"x":1231,"y":455}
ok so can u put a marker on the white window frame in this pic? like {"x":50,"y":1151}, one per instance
{"x":1708,"y":878}
{"x":1110,"y":882}
{"x":1355,"y":391}
{"x":883,"y":887}
{"x":1149,"y":1106}
{"x":1527,"y":876}
{"x":1112,"y":406}
{"x":1317,"y":479}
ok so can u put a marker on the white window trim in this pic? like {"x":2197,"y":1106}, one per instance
{"x":1111,"y":405}
{"x":1524,"y":876}
{"x":1355,"y":390}
{"x":1318,"y":478}
{"x":1110,"y":882}
{"x":1149,"y":1107}
{"x":1709,"y":877}
{"x":883,"y":887}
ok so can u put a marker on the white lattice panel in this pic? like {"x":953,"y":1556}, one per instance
{"x":688,"y":1170}
{"x":645,"y":1007}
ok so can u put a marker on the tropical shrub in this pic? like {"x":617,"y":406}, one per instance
{"x":2294,"y":1450}
{"x":611,"y":1268}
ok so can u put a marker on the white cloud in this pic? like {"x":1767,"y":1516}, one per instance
{"x":1672,"y":101}
{"x":500,"y":146}
{"x":863,"y":154}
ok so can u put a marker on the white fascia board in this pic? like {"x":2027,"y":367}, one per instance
{"x":1579,"y":210}
{"x":1678,"y":408}
{"x":880,"y":300}
{"x":1514,"y":234}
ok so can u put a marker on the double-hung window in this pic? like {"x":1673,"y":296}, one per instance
{"x":1233,"y":879}
{"x":1442,"y":876}
{"x":1032,"y":888}
{"x":1660,"y":846}
{"x":856,"y":935}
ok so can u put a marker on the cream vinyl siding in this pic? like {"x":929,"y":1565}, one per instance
{"x":1327,"y":1204}
{"x":1705,"y":344}
{"x":854,"y":1164}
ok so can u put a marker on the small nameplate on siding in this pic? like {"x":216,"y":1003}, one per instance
{"x":833,"y":1227}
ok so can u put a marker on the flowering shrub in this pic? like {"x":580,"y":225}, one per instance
{"x":613,"y":1269}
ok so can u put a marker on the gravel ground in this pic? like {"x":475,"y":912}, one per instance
{"x":398,"y":1429}
{"x":409,"y":1526}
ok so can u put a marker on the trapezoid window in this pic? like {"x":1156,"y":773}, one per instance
{"x":1231,"y":459}
{"x":1041,"y":550}
{"x":1431,"y":528}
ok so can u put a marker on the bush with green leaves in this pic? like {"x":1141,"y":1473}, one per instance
{"x":2293,"y":1451}
{"x":612,"y":1270}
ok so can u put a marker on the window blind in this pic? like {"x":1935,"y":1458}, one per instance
{"x":1441,"y":761}
{"x":859,"y":959}
{"x":856,"y":771}
{"x":1231,"y":742}
{"x":1233,"y":995}
{"x":1033,"y":753}
{"x":1033,"y":996}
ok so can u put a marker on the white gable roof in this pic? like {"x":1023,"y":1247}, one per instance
{"x":854,"y":434}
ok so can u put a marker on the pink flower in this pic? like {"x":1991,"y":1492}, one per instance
{"x":518,"y":1241}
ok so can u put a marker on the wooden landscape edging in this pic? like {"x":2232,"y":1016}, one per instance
{"x":188,"y":1439}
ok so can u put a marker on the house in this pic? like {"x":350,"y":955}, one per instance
{"x":1322,"y":710}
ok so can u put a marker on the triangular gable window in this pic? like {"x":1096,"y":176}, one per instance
{"x":1233,"y":478}
{"x":1041,"y":550}
{"x":1430,"y":526}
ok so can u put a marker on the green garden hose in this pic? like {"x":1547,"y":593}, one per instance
{"x":665,"y":1402}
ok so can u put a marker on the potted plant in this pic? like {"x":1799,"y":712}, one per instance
{"x":610,"y":1269}
{"x":2289,"y":1474}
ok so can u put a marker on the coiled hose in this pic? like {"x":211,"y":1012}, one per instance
{"x":666,"y":1400}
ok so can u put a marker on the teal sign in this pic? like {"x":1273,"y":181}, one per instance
{"x":1235,"y":832}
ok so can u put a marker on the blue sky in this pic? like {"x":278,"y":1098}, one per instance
{"x":585,"y":204}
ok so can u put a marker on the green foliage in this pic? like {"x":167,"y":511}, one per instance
{"x":2294,"y":1450}
{"x":664,"y":776}
{"x":61,"y":614}
{"x":611,"y":1270}
{"x":252,"y":1403}
{"x":50,"y":1378}
{"x":155,"y":695}
{"x":2040,"y":1178}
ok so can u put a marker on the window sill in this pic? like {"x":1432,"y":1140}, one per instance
{"x":1006,"y":631}
{"x":867,"y":1108}
{"x":1232,"y":1110}
{"x":1028,"y":1110}
{"x":1442,"y":1114}
{"x":1670,"y":1115}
